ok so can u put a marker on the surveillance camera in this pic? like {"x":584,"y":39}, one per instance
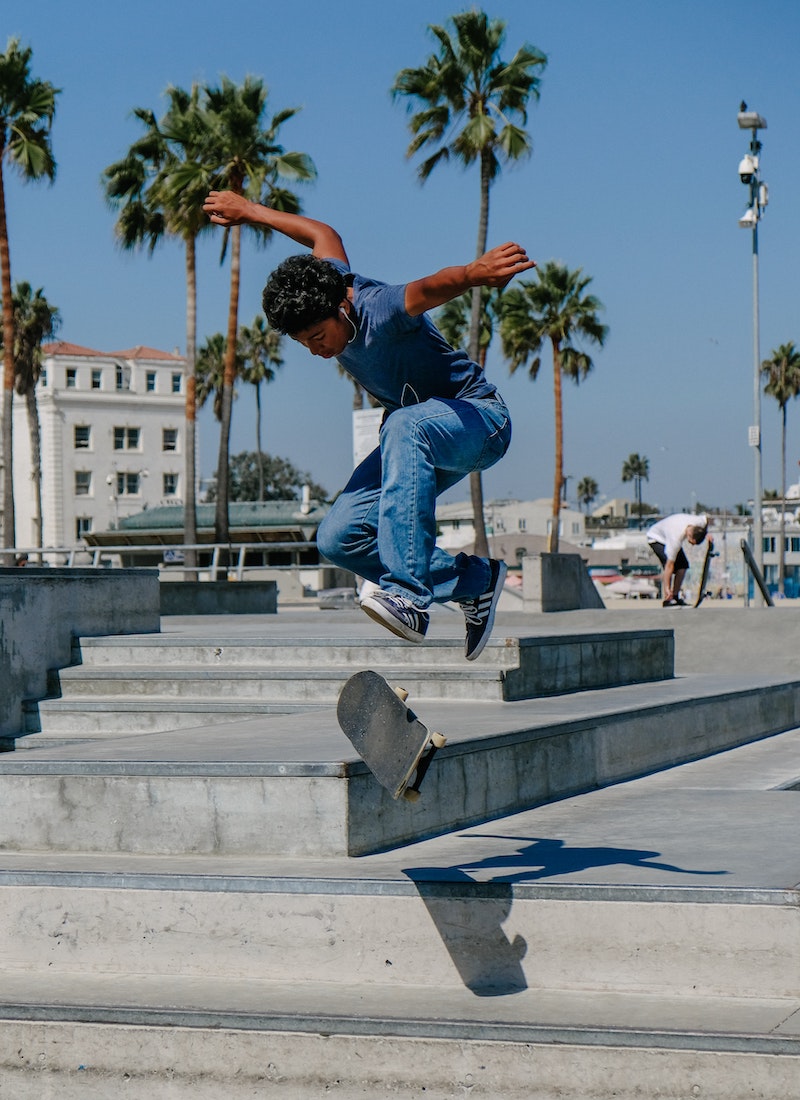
{"x":110,"y":479}
{"x":748,"y":166}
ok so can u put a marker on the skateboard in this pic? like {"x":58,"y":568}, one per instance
{"x":386,"y":734}
{"x":701,"y":591}
{"x":758,"y":577}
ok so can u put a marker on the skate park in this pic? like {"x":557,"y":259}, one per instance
{"x":598,"y":885}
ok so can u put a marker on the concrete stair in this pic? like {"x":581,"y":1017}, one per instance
{"x":182,"y":912}
{"x":155,"y":682}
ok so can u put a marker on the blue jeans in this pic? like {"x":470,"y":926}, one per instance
{"x":382,"y":526}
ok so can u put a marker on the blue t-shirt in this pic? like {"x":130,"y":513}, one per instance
{"x":403,"y":360}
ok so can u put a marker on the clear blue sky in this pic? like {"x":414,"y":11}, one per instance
{"x":633,"y":178}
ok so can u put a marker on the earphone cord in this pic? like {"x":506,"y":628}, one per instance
{"x":352,"y":324}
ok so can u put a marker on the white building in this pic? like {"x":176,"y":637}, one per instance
{"x":507,"y":518}
{"x":112,"y":434}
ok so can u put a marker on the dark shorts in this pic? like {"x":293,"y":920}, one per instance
{"x":660,"y":551}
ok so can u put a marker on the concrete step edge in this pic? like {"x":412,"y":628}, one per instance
{"x":542,"y":1017}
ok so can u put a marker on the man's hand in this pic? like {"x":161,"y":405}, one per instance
{"x":227,"y":208}
{"x":499,"y":265}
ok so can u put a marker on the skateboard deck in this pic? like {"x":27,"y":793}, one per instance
{"x":758,"y":576}
{"x":701,"y":591}
{"x":386,"y":734}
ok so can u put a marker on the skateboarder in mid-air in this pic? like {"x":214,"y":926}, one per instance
{"x":666,"y":541}
{"x":443,"y":418}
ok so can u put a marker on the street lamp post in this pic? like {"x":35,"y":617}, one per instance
{"x":749,"y":174}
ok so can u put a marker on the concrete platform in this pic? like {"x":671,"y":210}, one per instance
{"x":637,"y":940}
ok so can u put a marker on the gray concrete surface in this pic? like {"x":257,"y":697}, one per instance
{"x":649,"y":932}
{"x":42,"y":609}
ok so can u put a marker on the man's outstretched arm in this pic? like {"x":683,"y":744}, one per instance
{"x":494,"y":268}
{"x":227,"y":208}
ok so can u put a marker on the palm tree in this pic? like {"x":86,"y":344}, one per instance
{"x":35,"y":321}
{"x":636,"y":468}
{"x":27,"y":108}
{"x":249,"y":161}
{"x":261,"y":355}
{"x":587,"y":492}
{"x":210,"y":369}
{"x":782,"y":372}
{"x":555,"y":308}
{"x":473,"y":109}
{"x":159,"y":188}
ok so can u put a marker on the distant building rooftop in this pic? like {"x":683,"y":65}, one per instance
{"x":248,"y":521}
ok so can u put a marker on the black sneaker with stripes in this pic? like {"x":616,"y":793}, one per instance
{"x":397,"y":614}
{"x":479,"y":612}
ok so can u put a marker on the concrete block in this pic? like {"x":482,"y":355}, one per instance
{"x":43,"y":610}
{"x":219,"y":598}
{"x":557,"y":582}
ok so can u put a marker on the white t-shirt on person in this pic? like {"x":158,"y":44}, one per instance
{"x":671,"y":530}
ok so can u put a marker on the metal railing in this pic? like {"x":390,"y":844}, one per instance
{"x":226,"y":558}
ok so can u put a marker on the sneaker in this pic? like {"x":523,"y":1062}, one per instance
{"x":479,"y":612}
{"x":673,"y":602}
{"x":397,"y":614}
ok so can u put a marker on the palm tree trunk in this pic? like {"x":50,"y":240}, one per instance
{"x":259,"y":452}
{"x":190,"y":465}
{"x":475,"y":480}
{"x":36,"y":462}
{"x":7,"y":501}
{"x":221,"y":524}
{"x":552,"y":542}
{"x":782,"y":551}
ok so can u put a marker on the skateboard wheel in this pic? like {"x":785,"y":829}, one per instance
{"x":438,"y":739}
{"x":401,"y":694}
{"x":410,"y":795}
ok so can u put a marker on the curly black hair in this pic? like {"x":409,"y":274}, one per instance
{"x":302,"y":291}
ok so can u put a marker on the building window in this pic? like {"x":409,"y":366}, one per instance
{"x":176,"y":383}
{"x":97,"y":379}
{"x":83,"y":483}
{"x":72,"y":378}
{"x":127,"y":439}
{"x":523,"y":525}
{"x":83,"y":437}
{"x":795,"y":545}
{"x":170,"y":485}
{"x":123,"y":377}
{"x":43,"y":377}
{"x":150,"y":381}
{"x":83,"y":526}
{"x":169,"y":439}
{"x":127,"y":484}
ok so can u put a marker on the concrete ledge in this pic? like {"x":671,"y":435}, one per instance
{"x":563,"y":663}
{"x":219,"y":598}
{"x":42,"y":610}
{"x":253,"y":788}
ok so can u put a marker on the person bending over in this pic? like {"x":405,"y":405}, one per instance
{"x":666,"y":540}
{"x":443,"y":419}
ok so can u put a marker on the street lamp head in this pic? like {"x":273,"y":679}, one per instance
{"x":750,"y":120}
